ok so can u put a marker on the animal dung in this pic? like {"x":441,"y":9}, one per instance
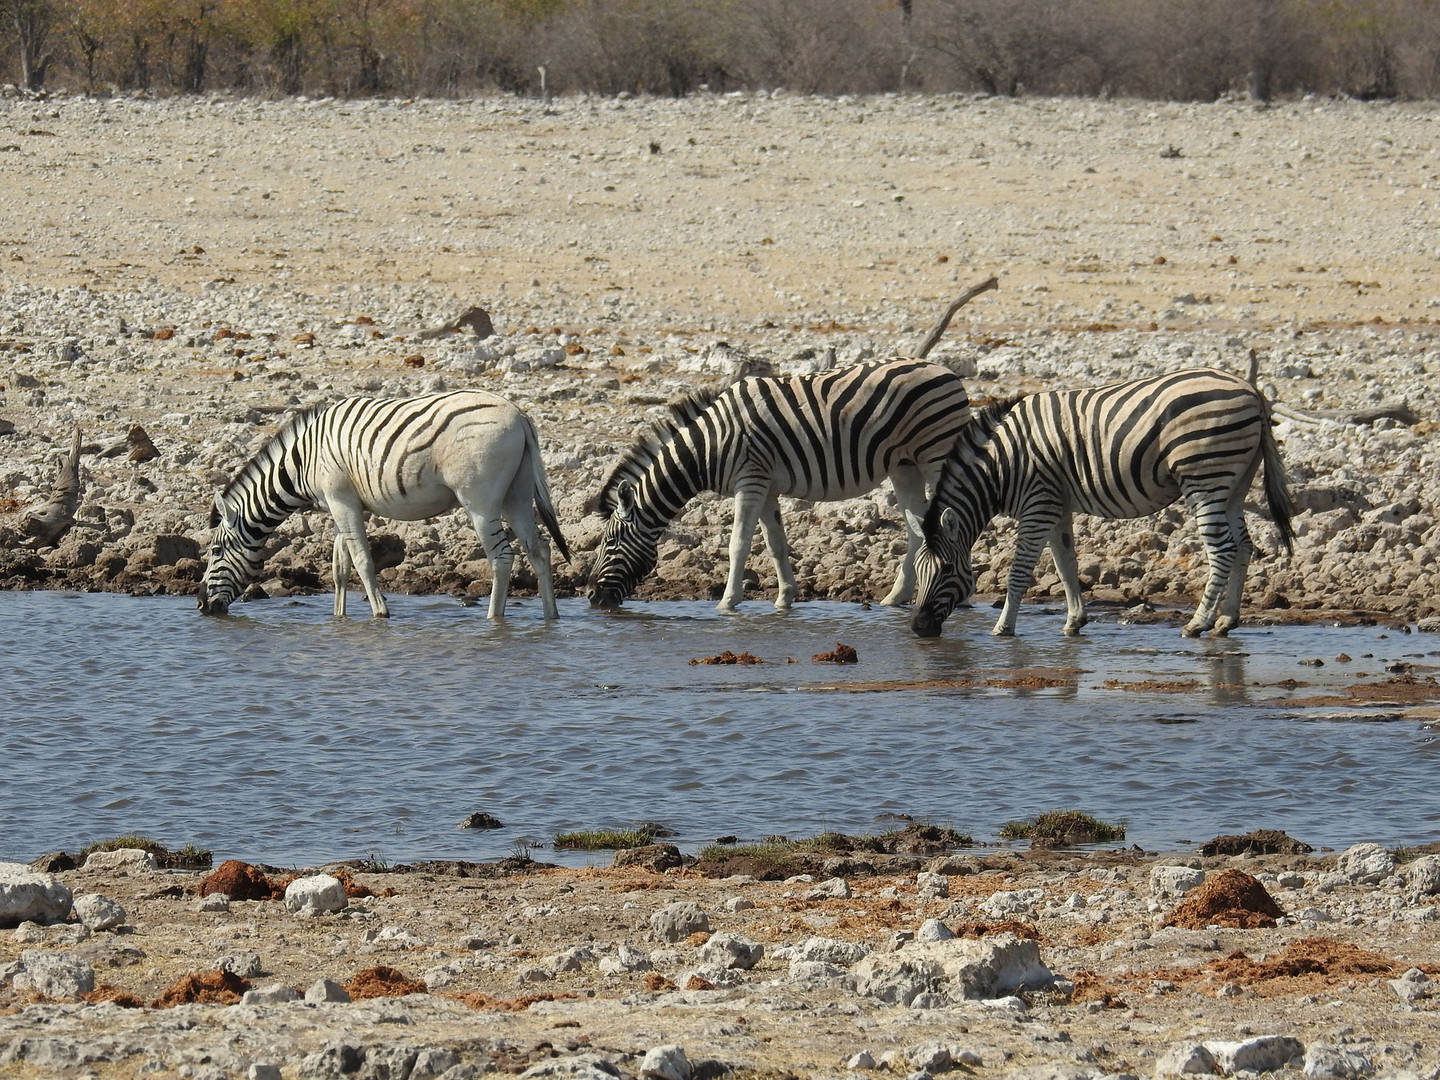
{"x":843,"y":654}
{"x":728,"y":657}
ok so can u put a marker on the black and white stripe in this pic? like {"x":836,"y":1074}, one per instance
{"x":403,"y":458}
{"x":1119,"y":451}
{"x":833,"y":435}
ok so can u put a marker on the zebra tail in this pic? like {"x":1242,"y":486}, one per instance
{"x":543,"y":504}
{"x":1277,"y":491}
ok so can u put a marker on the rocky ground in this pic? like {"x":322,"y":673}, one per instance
{"x":198,"y":268}
{"x":1029,"y":964}
{"x":201,"y":267}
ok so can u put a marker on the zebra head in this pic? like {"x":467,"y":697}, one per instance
{"x":233,"y":562}
{"x":627,"y":552}
{"x":944,"y":577}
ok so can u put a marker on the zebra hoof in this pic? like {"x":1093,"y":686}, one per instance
{"x":1073,"y":631}
{"x":1192,"y":629}
{"x":1222,"y":628}
{"x":1002,"y":631}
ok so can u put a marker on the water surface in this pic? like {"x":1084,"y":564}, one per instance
{"x":282,"y":735}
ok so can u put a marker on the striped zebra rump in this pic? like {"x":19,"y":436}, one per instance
{"x":1119,"y":451}
{"x":401,"y":458}
{"x":832,"y":435}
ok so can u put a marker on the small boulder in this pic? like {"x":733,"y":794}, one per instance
{"x":59,"y":975}
{"x":1365,"y":864}
{"x":26,"y":896}
{"x":98,"y":912}
{"x":676,"y":922}
{"x":1423,"y":875}
{"x":122,"y":861}
{"x":1262,"y":1054}
{"x":665,"y":1063}
{"x":1169,"y":881}
{"x":319,"y":894}
{"x":731,"y":951}
{"x":274,"y":994}
{"x":326,"y":990}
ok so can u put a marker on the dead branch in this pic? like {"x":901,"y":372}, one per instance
{"x":939,"y":330}
{"x":48,"y":523}
{"x":474,"y":319}
{"x":1398,"y":411}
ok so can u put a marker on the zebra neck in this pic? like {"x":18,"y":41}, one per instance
{"x":976,"y":493}
{"x":273,"y":487}
{"x":673,"y":480}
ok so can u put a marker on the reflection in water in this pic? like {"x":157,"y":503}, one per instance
{"x":280,"y":734}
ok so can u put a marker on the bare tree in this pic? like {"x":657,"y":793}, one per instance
{"x":32,"y":21}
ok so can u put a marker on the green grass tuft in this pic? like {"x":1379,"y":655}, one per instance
{"x":603,"y":839}
{"x":1062,"y":827}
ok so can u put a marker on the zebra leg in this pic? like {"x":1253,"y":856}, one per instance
{"x":340,"y":571}
{"x":1062,"y":549}
{"x":1029,"y":543}
{"x":496,"y":542}
{"x":909,"y":484}
{"x":1221,"y":549}
{"x":774,"y":530}
{"x":748,"y":505}
{"x":350,"y":528}
{"x":538,"y":552}
{"x":1235,"y":587}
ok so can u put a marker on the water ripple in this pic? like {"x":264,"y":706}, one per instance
{"x":281,"y":735}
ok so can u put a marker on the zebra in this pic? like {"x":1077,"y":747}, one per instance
{"x":1117,"y":451}
{"x":832,"y":435}
{"x":404,"y":458}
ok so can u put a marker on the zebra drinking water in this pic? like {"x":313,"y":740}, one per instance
{"x":833,"y":435}
{"x":405,"y":458}
{"x":1118,"y":451}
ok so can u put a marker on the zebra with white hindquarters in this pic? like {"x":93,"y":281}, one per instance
{"x":832,"y":435}
{"x":403,"y":458}
{"x":1120,"y":451}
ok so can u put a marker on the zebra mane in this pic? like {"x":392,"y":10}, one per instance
{"x":684,"y":411}
{"x":263,"y":462}
{"x":972,"y":440}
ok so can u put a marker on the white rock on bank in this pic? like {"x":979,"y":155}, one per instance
{"x":60,"y":975}
{"x":665,"y":1063}
{"x":26,"y":896}
{"x":122,"y":861}
{"x":1169,"y":881}
{"x":1365,"y":864}
{"x":98,"y":912}
{"x":961,"y":969}
{"x":318,"y":894}
{"x":678,"y":921}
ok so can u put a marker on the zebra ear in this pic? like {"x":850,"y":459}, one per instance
{"x":917,"y":527}
{"x":625,"y":498}
{"x":950,"y":523}
{"x":224,"y":514}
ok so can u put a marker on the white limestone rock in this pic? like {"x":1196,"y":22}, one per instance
{"x":1365,"y":864}
{"x":666,"y":1062}
{"x":319,"y":894}
{"x":122,"y":861}
{"x":26,"y":896}
{"x":98,"y":912}
{"x":59,"y":975}
{"x":1170,"y":881}
{"x":676,"y":922}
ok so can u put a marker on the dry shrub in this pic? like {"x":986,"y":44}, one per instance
{"x":481,"y":1002}
{"x":383,"y":981}
{"x":203,"y":988}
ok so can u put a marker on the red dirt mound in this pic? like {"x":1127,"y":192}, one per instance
{"x":1256,"y":842}
{"x":843,"y":654}
{"x":241,"y":881}
{"x":383,"y":982}
{"x":204,"y":988}
{"x":1230,"y":898}
{"x":728,"y":657}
